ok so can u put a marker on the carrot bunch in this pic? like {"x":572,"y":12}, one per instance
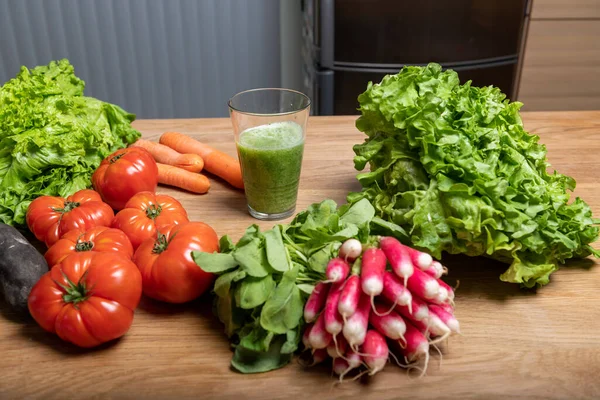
{"x":180,"y":160}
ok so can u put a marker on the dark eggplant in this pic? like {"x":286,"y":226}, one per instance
{"x":21,"y":266}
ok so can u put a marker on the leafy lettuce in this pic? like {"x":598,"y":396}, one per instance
{"x":453,"y":166}
{"x":52,"y":138}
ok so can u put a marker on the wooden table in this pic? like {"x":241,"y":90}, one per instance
{"x":542,"y":345}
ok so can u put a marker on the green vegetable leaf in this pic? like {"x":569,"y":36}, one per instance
{"x":223,"y":283}
{"x":257,"y":339}
{"x":253,"y":292}
{"x":360,"y":213}
{"x":225,"y":244}
{"x":276,"y":253}
{"x":215,"y":263}
{"x":283,"y":310}
{"x":306,"y":288}
{"x":249,"y":361}
{"x":228,"y":314}
{"x":453,"y":170}
{"x":252,"y":259}
{"x":52,"y":137}
{"x":292,"y":338}
{"x":318,"y":261}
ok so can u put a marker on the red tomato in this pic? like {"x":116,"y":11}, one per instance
{"x":88,"y":298}
{"x":168,"y":271}
{"x":51,"y":217}
{"x":100,"y":239}
{"x":146,"y":213}
{"x":125,"y":173}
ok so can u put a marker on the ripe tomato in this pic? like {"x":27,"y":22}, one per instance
{"x":51,"y":217}
{"x":88,"y":298}
{"x":168,"y":271}
{"x":125,"y":173}
{"x":146,"y":213}
{"x":100,"y":239}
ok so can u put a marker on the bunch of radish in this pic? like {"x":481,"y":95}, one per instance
{"x":359,"y":312}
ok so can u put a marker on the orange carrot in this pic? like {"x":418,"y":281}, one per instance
{"x":174,"y":176}
{"x":215,"y":161}
{"x":166,"y":155}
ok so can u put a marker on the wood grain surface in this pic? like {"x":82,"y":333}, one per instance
{"x":515,"y":343}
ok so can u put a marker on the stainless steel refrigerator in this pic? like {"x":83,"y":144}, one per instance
{"x":347,"y":43}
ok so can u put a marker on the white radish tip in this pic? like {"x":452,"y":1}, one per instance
{"x":421,"y":313}
{"x":376,"y":365}
{"x":404,"y":299}
{"x":334,"y":327}
{"x":318,"y":340}
{"x":405,"y":269}
{"x":442,"y":295}
{"x":395,"y":328}
{"x":424,"y":260}
{"x":372,"y":286}
{"x":454,"y":325}
{"x":431,"y":289}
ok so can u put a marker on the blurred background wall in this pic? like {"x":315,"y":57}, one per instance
{"x":156,"y":58}
{"x":186,"y":58}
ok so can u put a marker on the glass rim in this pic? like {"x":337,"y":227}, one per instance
{"x":231,"y":107}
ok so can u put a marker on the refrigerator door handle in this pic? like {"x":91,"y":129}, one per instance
{"x":326,"y":94}
{"x":327,"y":33}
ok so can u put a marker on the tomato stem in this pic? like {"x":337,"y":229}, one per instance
{"x":153,"y":211}
{"x":160,"y":244}
{"x":84,"y":246}
{"x":75,"y":292}
{"x":68,"y":206}
{"x":116,"y":158}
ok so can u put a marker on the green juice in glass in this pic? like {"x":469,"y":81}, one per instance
{"x":271,"y":159}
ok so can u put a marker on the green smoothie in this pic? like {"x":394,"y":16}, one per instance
{"x":271,"y":158}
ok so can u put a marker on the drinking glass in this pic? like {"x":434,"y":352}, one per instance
{"x":269,"y":126}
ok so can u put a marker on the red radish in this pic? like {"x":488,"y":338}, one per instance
{"x":316,"y":301}
{"x":448,"y":288}
{"x":350,"y":250}
{"x":416,"y":343}
{"x":305,"y":336}
{"x":447,"y":318}
{"x":436,"y":270}
{"x":372,"y":269}
{"x":422,"y":285}
{"x":433,"y":325}
{"x":354,"y":359}
{"x":333,"y":319}
{"x":349,"y":297}
{"x":397,"y":255}
{"x":337,"y":346}
{"x":319,"y":338}
{"x":319,"y":356}
{"x":442,"y":296}
{"x":337,"y":270}
{"x":340,"y":367}
{"x":394,"y":291}
{"x":375,"y":351}
{"x":447,"y":307}
{"x":355,"y":328}
{"x":390,"y":325}
{"x":419,"y":259}
{"x":416,"y":310}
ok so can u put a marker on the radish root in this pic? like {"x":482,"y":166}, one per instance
{"x":388,"y":312}
{"x":440,"y":353}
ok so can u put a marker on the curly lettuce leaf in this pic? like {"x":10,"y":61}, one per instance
{"x":454,"y":167}
{"x":52,"y":138}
